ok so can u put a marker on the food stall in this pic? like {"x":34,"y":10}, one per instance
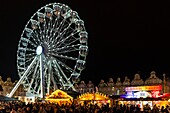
{"x":60,"y":97}
{"x":142,"y":95}
{"x":94,"y":98}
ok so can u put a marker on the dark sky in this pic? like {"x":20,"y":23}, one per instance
{"x":125,"y":36}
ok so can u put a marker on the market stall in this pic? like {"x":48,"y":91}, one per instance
{"x":94,"y":98}
{"x":142,"y":95}
{"x":60,"y":97}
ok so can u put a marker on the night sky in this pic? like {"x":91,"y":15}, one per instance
{"x":125,"y":37}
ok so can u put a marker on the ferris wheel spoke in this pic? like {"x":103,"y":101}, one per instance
{"x":48,"y":78}
{"x":59,"y":76}
{"x":61,"y":25}
{"x":57,"y":73}
{"x":63,"y":32}
{"x":26,"y":59}
{"x":61,"y":35}
{"x":50,"y":26}
{"x":63,"y":40}
{"x":45,"y":73}
{"x":65,"y":66}
{"x":48,"y":23}
{"x":35,"y":88}
{"x":44,"y":26}
{"x":64,"y":26}
{"x":30,"y":55}
{"x":56,"y":23}
{"x":27,"y":49}
{"x":50,"y":75}
{"x":44,"y":31}
{"x":70,"y":42}
{"x":34,"y":75}
{"x":30,"y":50}
{"x":68,"y":83}
{"x":35,"y":26}
{"x":37,"y":82}
{"x":41,"y":30}
{"x":34,"y":38}
{"x":31,"y":34}
{"x":65,"y":57}
{"x":60,"y":69}
{"x":38,"y":37}
{"x":48,"y":32}
{"x":53,"y":26}
{"x":29,"y":60}
{"x":67,"y":49}
{"x":28,"y":78}
{"x":59,"y":28}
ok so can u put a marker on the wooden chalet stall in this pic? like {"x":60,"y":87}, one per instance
{"x":60,"y":97}
{"x":94,"y":98}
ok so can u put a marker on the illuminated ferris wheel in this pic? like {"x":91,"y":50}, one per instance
{"x":52,"y":50}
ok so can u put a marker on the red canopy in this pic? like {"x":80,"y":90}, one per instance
{"x":165,"y":95}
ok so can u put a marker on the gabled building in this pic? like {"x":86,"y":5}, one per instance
{"x":118,"y":87}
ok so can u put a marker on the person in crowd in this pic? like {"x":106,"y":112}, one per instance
{"x":155,"y":109}
{"x":13,"y":110}
{"x":34,"y":109}
{"x":147,"y":109}
{"x":40,"y":107}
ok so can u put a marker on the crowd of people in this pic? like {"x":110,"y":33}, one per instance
{"x":45,"y":107}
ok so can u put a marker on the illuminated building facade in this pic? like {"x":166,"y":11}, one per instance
{"x":110,"y":87}
{"x":119,"y":87}
{"x":7,"y":87}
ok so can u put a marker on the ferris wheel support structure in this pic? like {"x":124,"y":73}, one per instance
{"x":22,"y":78}
{"x":42,"y":95}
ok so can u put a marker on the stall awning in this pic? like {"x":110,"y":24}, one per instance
{"x":60,"y":95}
{"x":93,"y":96}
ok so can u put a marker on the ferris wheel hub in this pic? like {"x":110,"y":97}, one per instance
{"x":39,"y":50}
{"x":46,"y":49}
